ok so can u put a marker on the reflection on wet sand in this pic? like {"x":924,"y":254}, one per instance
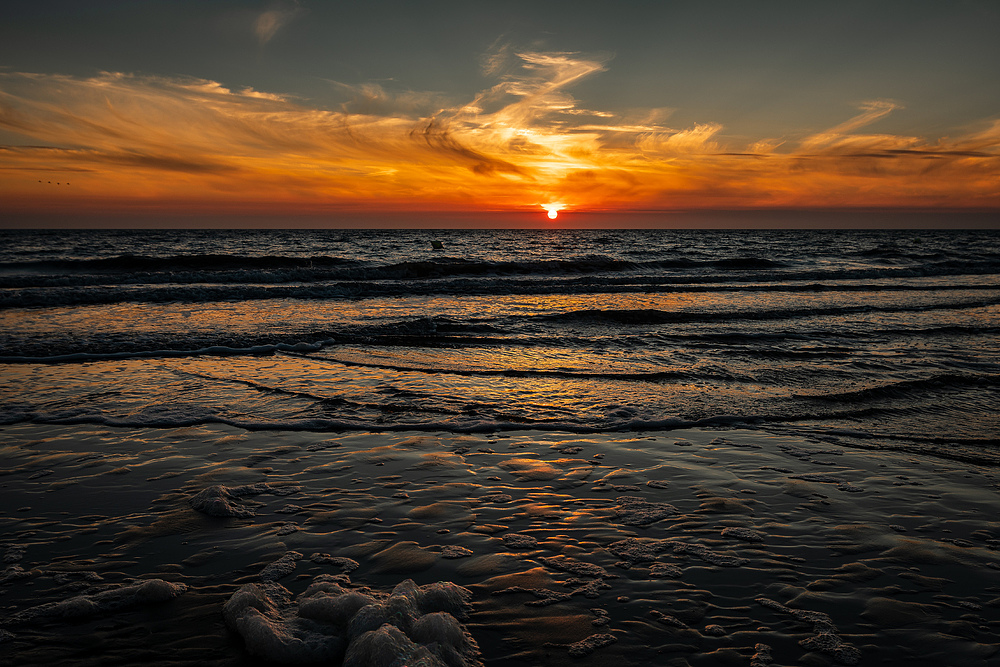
{"x":693,"y":547}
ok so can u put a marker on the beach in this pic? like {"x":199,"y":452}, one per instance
{"x":694,"y":547}
{"x":520,"y":334}
{"x":525,"y":447}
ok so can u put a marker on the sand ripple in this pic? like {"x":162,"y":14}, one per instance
{"x":735,"y":548}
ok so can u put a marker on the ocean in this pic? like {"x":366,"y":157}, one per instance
{"x":549,"y":447}
{"x":884,"y":338}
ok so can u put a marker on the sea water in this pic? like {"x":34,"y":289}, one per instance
{"x":884,"y":338}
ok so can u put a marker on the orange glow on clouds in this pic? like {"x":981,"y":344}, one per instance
{"x":147,"y":143}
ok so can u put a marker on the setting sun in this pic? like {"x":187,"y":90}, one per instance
{"x":553,"y":210}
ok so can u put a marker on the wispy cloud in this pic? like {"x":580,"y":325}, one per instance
{"x":521,"y":142}
{"x":696,"y":140}
{"x":270,"y":21}
{"x":870,"y":112}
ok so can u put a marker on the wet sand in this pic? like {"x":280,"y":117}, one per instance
{"x":695,"y":547}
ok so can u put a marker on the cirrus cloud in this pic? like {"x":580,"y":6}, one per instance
{"x":270,"y":21}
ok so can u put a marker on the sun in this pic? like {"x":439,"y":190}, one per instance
{"x":553,"y":210}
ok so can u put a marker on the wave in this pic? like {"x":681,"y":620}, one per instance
{"x":950,"y":330}
{"x":635,"y":329}
{"x":472,"y":422}
{"x":907,"y":389}
{"x":257,"y":288}
{"x":468,"y":425}
{"x":655,"y":376}
{"x":973,"y":450}
{"x":653,"y":316}
{"x":468,"y":421}
{"x":746,"y":263}
{"x":218,"y":269}
{"x":328,"y":401}
{"x":146,"y":264}
{"x":214,"y":350}
{"x":187,"y":269}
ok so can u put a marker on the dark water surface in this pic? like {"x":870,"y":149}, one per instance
{"x":885,"y":337}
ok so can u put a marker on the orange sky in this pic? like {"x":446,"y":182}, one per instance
{"x":138,"y":144}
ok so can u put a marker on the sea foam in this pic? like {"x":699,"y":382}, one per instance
{"x":330,"y":623}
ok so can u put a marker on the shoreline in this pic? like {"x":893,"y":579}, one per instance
{"x":695,"y":545}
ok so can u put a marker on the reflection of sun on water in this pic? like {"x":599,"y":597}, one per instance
{"x":553,"y":210}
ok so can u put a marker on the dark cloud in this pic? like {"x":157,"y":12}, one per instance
{"x":441,"y":140}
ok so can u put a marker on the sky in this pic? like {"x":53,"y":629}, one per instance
{"x":389,"y":111}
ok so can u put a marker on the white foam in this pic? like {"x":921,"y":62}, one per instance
{"x":744,"y":534}
{"x":705,"y":554}
{"x":226,"y":501}
{"x":455,"y":551}
{"x":223,"y":501}
{"x":412,"y":625}
{"x":636,"y":511}
{"x":519,"y":541}
{"x":451,"y":639}
{"x":281,"y":567}
{"x":824,"y":639}
{"x":254,"y":612}
{"x":335,"y":609}
{"x":150,"y":591}
{"x":587,"y":646}
{"x":398,"y":610}
{"x":443,"y":596}
{"x":386,"y":646}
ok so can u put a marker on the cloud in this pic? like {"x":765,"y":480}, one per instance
{"x":696,"y":140}
{"x":270,"y":21}
{"x":521,"y":141}
{"x":373,"y":99}
{"x":442,"y":141}
{"x":496,"y":58}
{"x":532,"y":91}
{"x":871,"y":111}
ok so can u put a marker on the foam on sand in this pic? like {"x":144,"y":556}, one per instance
{"x":80,"y":607}
{"x":223,"y":501}
{"x":329,"y":622}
